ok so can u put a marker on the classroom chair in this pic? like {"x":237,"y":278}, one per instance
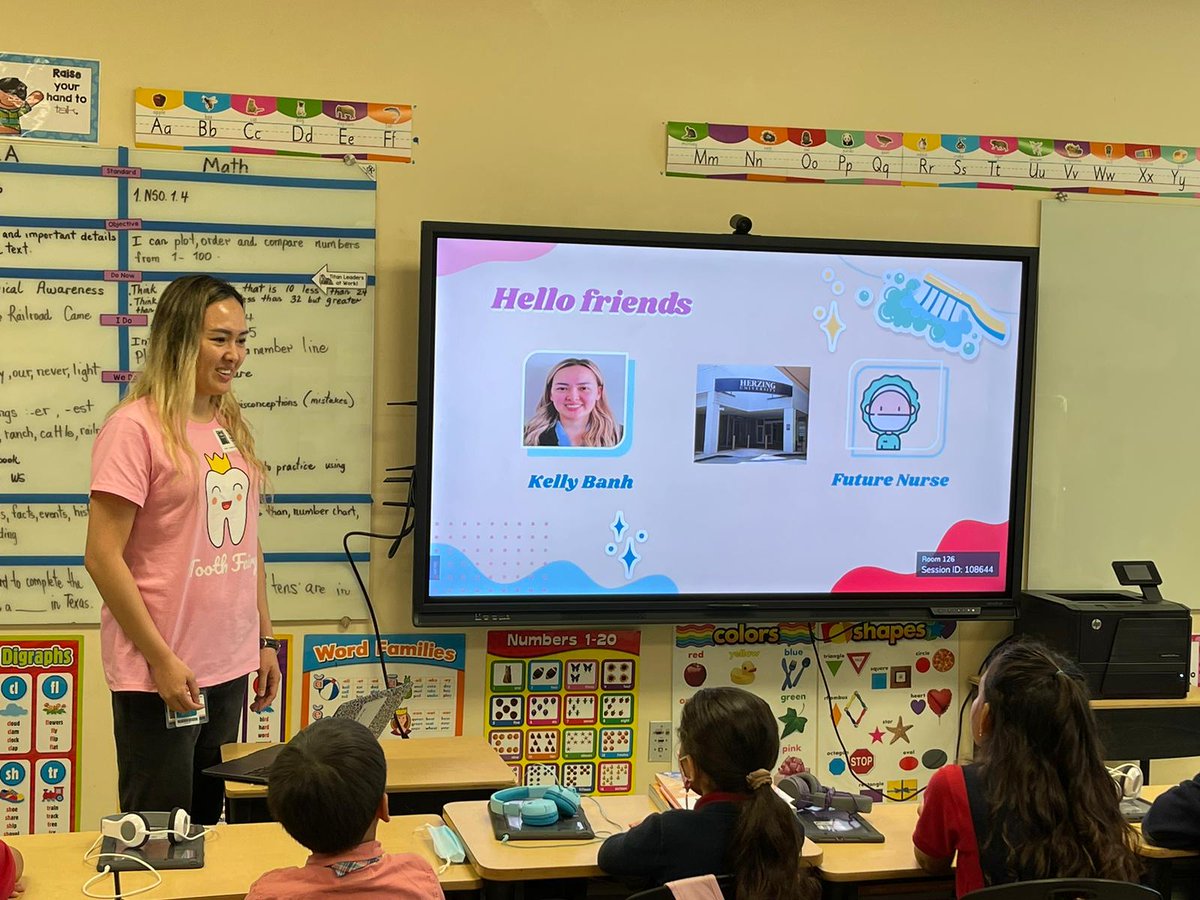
{"x":726,"y":883}
{"x":1066,"y":889}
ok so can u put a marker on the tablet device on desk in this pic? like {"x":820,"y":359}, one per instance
{"x":158,"y":852}
{"x":1134,"y":809}
{"x":825,"y":826}
{"x":511,"y":828}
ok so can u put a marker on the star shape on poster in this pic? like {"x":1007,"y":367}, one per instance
{"x":876,"y":736}
{"x":899,"y":731}
{"x":793,"y":723}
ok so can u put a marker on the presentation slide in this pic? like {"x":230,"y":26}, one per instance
{"x":665,"y":420}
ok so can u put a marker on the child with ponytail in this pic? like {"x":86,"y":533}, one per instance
{"x":1038,"y":801}
{"x":728,"y":744}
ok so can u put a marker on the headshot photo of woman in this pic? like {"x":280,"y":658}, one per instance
{"x":573,"y":409}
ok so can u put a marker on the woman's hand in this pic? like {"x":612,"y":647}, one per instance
{"x":176,"y":684}
{"x":266,"y":686}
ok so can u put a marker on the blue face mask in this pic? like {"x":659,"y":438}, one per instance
{"x":889,"y":423}
{"x":446,"y":845}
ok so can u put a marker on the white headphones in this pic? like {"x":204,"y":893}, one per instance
{"x":1128,"y":780}
{"x":132,"y":830}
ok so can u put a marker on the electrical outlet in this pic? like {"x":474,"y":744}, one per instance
{"x":660,"y":742}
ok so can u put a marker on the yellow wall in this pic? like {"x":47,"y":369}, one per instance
{"x":551,"y":112}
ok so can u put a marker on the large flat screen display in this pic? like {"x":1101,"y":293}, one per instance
{"x":659,"y":427}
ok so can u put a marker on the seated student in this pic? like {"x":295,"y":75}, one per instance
{"x":327,"y":789}
{"x":1038,"y":802}
{"x":728,"y":744}
{"x":1174,"y":818}
{"x":12,"y":865}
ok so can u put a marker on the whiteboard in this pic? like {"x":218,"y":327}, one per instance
{"x":88,"y":239}
{"x":1116,"y":418}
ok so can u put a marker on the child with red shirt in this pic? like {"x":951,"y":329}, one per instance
{"x":1038,"y":802}
{"x":11,"y":868}
{"x":328,"y":790}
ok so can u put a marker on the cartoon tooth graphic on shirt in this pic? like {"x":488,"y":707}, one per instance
{"x":225,"y":489}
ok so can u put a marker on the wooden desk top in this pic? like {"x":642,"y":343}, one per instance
{"x":529,"y":860}
{"x":421,"y":764}
{"x":1192,"y":699}
{"x":234,"y":857}
{"x":1152,"y":851}
{"x":877,"y":862}
{"x":894,"y":858}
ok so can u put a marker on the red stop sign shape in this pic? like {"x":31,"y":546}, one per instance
{"x":862,"y":762}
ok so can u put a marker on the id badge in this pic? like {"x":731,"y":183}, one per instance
{"x":192,"y":716}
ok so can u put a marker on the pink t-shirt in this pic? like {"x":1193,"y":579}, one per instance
{"x":193,"y":549}
{"x":397,"y":876}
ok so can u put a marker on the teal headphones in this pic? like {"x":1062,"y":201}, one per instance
{"x":537,"y":805}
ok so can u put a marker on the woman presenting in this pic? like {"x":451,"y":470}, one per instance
{"x":573,"y":410}
{"x":172,"y":546}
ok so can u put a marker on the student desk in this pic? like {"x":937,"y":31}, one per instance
{"x":423,"y":774}
{"x":1145,"y":729}
{"x":1149,"y":729}
{"x":501,"y":865}
{"x":234,"y":856}
{"x":845,"y":866}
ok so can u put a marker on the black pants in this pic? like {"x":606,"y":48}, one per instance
{"x":159,"y":768}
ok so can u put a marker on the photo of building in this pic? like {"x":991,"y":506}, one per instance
{"x":751,"y":413}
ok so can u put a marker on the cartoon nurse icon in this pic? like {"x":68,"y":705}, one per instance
{"x":889,"y":407}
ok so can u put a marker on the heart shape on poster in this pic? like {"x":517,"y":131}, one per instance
{"x":939,"y":701}
{"x":918,"y":706}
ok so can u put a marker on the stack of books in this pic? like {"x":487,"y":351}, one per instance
{"x":666,"y":792}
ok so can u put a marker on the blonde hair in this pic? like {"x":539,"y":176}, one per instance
{"x":168,"y":380}
{"x":601,"y":430}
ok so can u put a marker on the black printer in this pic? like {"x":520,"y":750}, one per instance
{"x":1127,"y":645}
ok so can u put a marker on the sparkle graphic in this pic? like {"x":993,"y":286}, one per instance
{"x":622,"y":531}
{"x":831,"y":324}
{"x":618,"y":526}
{"x":630,"y":558}
{"x":876,"y":736}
